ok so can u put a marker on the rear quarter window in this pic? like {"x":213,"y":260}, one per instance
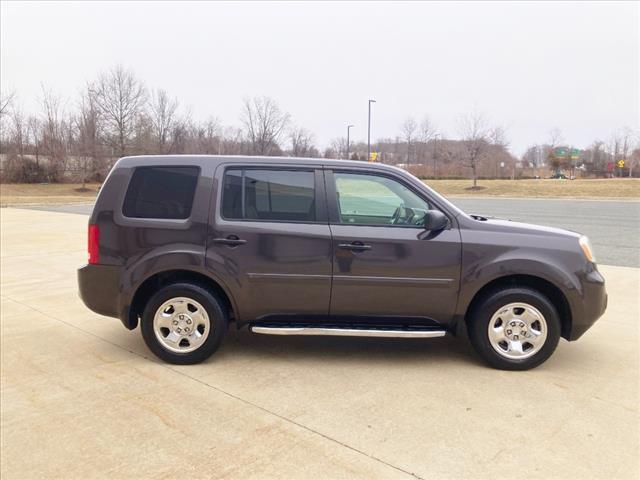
{"x":161,"y":192}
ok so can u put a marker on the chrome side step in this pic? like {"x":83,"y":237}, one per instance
{"x":348,"y":332}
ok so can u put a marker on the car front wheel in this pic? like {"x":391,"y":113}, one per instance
{"x":514,"y":328}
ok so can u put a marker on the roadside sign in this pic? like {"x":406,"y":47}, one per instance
{"x":374,"y":157}
{"x":566,"y":153}
{"x":560,"y":152}
{"x":620,"y":163}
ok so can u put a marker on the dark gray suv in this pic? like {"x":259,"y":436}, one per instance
{"x":184,"y":245}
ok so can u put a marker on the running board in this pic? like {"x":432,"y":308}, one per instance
{"x":349,"y":332}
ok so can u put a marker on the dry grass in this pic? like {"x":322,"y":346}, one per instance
{"x":50,"y":193}
{"x":11,"y":194}
{"x":600,"y":188}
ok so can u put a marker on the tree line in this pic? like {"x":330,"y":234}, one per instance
{"x":116,"y":115}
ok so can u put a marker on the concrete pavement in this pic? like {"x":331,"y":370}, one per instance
{"x":82,"y":397}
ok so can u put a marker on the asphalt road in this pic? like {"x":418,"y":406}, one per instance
{"x":612,"y":226}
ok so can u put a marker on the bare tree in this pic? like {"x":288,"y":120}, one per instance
{"x":427,"y":130}
{"x":409,"y":128}
{"x":302,"y":143}
{"x":555,"y":137}
{"x":535,"y":156}
{"x":53,"y":130}
{"x":626,"y":138}
{"x":234,"y":141}
{"x":615,"y":148}
{"x":19,"y":132}
{"x":426,"y":133}
{"x":337,"y":148}
{"x":634,"y":159}
{"x":33,"y":130}
{"x":621,"y":145}
{"x":179,"y":134}
{"x":497,"y":136}
{"x":6,"y":100}
{"x":264,"y":123}
{"x":475,"y":136}
{"x":121,"y":98}
{"x":163,"y":116}
{"x":16,"y":135}
{"x":500,"y":156}
{"x":88,"y":133}
{"x":205,"y":137}
{"x":597,"y":156}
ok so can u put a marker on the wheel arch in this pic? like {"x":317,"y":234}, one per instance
{"x":160,"y":279}
{"x":547,"y":288}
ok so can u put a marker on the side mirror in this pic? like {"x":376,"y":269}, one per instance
{"x":435,"y":220}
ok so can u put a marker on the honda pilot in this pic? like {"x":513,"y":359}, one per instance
{"x":184,"y":246}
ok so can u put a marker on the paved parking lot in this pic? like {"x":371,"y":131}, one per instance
{"x":83,"y":398}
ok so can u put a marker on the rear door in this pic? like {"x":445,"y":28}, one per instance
{"x":270,"y":241}
{"x":386,"y":265}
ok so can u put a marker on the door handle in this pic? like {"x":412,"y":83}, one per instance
{"x":230,"y":241}
{"x":354,"y":246}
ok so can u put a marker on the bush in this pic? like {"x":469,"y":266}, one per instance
{"x":25,"y":170}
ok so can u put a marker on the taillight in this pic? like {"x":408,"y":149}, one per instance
{"x":94,"y":244}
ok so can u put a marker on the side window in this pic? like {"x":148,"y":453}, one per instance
{"x":161,"y":192}
{"x":269,"y":195}
{"x":375,"y":200}
{"x":232,"y":195}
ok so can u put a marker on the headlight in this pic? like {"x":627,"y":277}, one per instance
{"x":585,"y":244}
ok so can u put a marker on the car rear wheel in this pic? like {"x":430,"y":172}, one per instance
{"x":515,"y":328}
{"x":183,"y":323}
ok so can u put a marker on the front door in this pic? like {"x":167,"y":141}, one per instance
{"x":386,"y":265}
{"x":270,"y":242}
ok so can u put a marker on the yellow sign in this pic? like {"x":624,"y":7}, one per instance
{"x":374,"y":157}
{"x":620,"y":163}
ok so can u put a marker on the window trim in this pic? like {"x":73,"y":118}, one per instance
{"x":319,"y":196}
{"x":160,"y":219}
{"x":334,"y":209}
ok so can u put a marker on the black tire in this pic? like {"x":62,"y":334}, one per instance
{"x":479,"y":319}
{"x":216,"y":312}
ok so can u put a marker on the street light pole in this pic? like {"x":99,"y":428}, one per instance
{"x":435,"y":153}
{"x":369,"y":132}
{"x":349,"y":127}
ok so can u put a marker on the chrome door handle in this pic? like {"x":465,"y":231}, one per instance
{"x":230,"y":241}
{"x":355,"y":246}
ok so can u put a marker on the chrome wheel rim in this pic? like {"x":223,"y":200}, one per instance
{"x":181,"y":325}
{"x":517,"y":331}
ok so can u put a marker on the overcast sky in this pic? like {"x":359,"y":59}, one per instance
{"x":528,"y":66}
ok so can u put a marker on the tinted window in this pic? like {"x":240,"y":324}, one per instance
{"x":375,"y":200}
{"x":161,"y":192}
{"x":232,"y":194}
{"x":272,"y":195}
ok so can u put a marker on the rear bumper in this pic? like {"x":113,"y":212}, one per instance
{"x":99,"y":288}
{"x":594,"y":303}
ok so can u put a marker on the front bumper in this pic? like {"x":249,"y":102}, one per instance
{"x":594,"y":303}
